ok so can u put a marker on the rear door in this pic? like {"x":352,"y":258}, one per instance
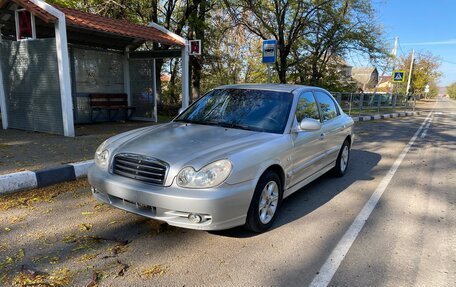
{"x":308,"y":146}
{"x":332,"y":129}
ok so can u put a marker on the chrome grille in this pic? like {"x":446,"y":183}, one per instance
{"x":143,"y":168}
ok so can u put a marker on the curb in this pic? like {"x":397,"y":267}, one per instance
{"x":384,"y":116}
{"x":22,"y":180}
{"x":36,"y":179}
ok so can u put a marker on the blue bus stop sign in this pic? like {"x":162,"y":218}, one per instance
{"x":269,"y":51}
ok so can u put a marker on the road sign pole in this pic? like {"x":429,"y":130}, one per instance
{"x":269,"y":55}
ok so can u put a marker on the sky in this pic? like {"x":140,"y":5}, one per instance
{"x":424,"y":26}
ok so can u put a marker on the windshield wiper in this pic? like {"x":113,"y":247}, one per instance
{"x":196,"y":122}
{"x":235,"y":126}
{"x":222,"y":124}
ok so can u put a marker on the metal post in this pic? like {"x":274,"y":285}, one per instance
{"x":185,"y":76}
{"x":379,"y":104}
{"x":269,"y":74}
{"x":3,"y":107}
{"x":350,"y":104}
{"x":410,"y":73}
{"x":154,"y":86}
{"x":126,"y":74}
{"x":361,"y":102}
{"x":393,"y":99}
{"x":64,"y":76}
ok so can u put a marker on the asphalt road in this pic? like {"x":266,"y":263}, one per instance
{"x":61,"y":235}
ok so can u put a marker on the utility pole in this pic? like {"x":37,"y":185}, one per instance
{"x":410,"y":73}
{"x":394,"y":53}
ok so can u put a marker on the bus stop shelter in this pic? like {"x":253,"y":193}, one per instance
{"x":54,"y":59}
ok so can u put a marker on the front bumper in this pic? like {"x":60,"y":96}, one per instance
{"x":221,"y":208}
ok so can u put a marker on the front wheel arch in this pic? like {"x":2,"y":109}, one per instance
{"x":253,"y":222}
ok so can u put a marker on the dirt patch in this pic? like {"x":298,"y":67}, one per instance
{"x":29,"y":198}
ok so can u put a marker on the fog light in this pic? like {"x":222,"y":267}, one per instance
{"x":195,"y":218}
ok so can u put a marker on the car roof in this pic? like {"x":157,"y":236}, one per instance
{"x":268,"y":87}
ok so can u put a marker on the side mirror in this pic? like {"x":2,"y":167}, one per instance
{"x":309,"y":125}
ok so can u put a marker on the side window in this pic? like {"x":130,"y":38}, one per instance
{"x":328,"y":107}
{"x":307,"y":107}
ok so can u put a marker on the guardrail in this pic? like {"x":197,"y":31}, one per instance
{"x":368,"y":104}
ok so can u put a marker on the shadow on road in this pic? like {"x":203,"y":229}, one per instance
{"x":317,"y":193}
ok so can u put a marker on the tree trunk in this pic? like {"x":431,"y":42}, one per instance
{"x":197,"y":27}
{"x":282,"y":69}
{"x":158,"y":69}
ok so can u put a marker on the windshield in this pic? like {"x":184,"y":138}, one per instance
{"x":256,"y":110}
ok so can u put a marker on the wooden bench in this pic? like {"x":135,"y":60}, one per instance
{"x":112,"y":103}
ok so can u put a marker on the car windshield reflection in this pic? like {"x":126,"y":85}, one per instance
{"x":255,"y":110}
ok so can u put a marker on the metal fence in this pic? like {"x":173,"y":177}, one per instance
{"x":368,"y":104}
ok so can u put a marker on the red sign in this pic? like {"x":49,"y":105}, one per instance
{"x":24,"y":24}
{"x":195,"y":47}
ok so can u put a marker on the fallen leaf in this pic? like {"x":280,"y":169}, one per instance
{"x":155,"y":270}
{"x":54,"y":260}
{"x":85,"y":226}
{"x":123,"y":269}
{"x":20,"y":254}
{"x":94,"y":280}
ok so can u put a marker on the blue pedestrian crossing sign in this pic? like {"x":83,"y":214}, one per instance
{"x":398,"y":76}
{"x":269,"y":51}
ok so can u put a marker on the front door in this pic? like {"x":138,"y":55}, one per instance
{"x":308,"y":151}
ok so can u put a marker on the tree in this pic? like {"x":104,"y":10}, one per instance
{"x":337,"y":28}
{"x":451,"y":90}
{"x":425,"y":72}
{"x":232,"y":54}
{"x":284,"y":20}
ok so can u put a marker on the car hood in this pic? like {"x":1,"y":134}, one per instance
{"x":181,"y":144}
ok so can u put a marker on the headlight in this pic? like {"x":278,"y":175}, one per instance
{"x":102,"y":155}
{"x":209,"y":176}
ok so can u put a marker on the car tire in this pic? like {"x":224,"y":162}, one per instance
{"x":342,"y":160}
{"x":266,"y":199}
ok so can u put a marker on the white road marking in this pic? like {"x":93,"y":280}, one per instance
{"x":329,"y":268}
{"x":427,"y":127}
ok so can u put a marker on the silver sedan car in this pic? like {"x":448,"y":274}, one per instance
{"x":227,"y":160}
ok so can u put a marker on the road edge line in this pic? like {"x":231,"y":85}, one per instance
{"x":332,"y":263}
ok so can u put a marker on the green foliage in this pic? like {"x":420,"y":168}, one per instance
{"x":451,"y":90}
{"x":313,"y":37}
{"x":425,"y":72}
